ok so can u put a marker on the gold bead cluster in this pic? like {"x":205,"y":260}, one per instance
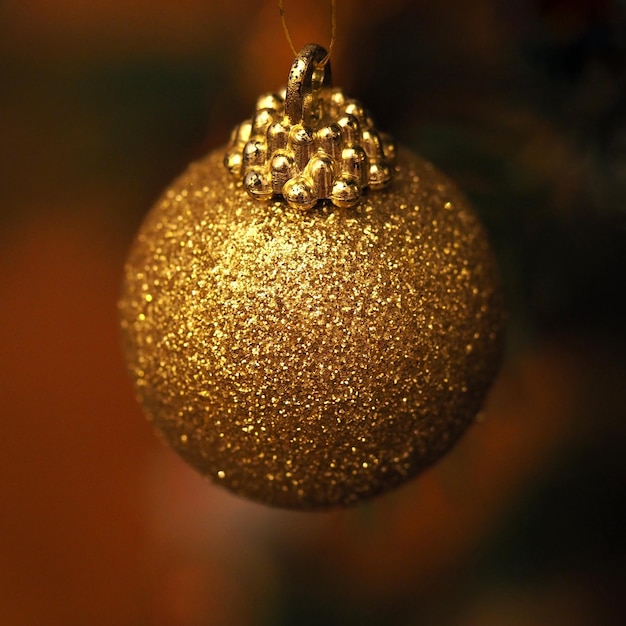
{"x":333,"y":155}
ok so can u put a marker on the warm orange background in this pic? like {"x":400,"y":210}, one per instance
{"x":99,"y":523}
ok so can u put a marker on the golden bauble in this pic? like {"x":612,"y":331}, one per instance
{"x":309,"y":359}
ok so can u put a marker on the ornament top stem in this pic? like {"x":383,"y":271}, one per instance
{"x":310,"y":142}
{"x":309,"y":77}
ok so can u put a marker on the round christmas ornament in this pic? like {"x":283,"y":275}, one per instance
{"x":311,"y":318}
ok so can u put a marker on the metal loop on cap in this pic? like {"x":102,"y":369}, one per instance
{"x":310,"y":143}
{"x":309,"y":75}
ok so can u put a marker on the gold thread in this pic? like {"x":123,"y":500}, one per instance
{"x":333,"y":30}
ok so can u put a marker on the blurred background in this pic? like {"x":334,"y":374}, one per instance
{"x":523,"y":103}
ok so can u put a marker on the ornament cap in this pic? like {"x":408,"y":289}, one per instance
{"x":310,"y":142}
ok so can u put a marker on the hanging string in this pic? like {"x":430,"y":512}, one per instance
{"x":333,"y":30}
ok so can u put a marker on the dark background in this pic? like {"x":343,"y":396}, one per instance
{"x":523,"y":103}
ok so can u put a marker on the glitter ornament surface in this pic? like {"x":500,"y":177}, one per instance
{"x":311,"y":359}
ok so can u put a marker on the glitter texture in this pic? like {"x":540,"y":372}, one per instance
{"x":311,"y":359}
